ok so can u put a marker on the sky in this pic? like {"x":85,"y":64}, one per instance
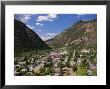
{"x":48,"y":26}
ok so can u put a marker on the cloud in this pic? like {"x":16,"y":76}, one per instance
{"x":25,"y":17}
{"x":39,"y":24}
{"x":52,"y":15}
{"x":31,"y":27}
{"x":49,"y":17}
{"x":44,"y":18}
{"x":52,"y":34}
{"x":39,"y":30}
{"x":80,"y":14}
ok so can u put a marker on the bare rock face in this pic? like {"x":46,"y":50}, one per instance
{"x":24,"y":37}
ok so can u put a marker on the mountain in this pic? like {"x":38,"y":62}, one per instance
{"x":24,"y":37}
{"x":83,"y":34}
{"x":73,"y":52}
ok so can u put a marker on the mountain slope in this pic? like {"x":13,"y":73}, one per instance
{"x":73,"y":53}
{"x":78,"y":45}
{"x":82,"y":34}
{"x":24,"y":37}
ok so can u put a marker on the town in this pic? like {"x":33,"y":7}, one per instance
{"x":55,"y":63}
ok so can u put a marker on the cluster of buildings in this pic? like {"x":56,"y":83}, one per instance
{"x":57,"y":61}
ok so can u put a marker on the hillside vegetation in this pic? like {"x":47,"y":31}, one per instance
{"x":73,"y":53}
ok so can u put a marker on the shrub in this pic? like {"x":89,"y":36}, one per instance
{"x":81,"y":71}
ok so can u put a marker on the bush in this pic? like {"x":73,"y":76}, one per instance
{"x":82,"y":71}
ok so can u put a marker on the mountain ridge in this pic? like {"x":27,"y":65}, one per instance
{"x":81,"y":30}
{"x":24,"y":37}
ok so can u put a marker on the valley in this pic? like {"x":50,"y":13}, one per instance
{"x":70,"y":53}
